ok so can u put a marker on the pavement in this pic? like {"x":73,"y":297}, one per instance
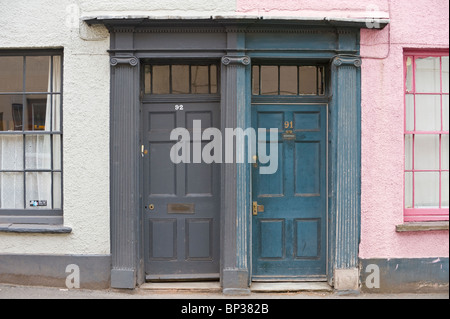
{"x":26,"y":292}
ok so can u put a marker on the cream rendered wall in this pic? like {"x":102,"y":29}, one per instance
{"x":48,"y":24}
{"x":55,"y":24}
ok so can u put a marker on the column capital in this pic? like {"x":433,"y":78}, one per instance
{"x":131,"y":60}
{"x":345,"y":60}
{"x":244,"y":60}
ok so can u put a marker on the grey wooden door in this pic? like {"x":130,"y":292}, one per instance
{"x":182,"y":201}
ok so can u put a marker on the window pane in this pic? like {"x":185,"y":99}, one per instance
{"x":11,"y":74}
{"x":321,"y":88}
{"x":428,"y":113}
{"x":37,"y":74}
{"x":148,"y":79}
{"x":269,"y":80}
{"x":56,"y":114}
{"x":426,"y":190}
{"x":445,"y":115}
{"x":255,"y":80}
{"x":308,"y":80}
{"x":11,"y":190}
{"x":408,"y":190}
{"x":288,"y":80}
{"x":409,"y":152}
{"x":161,"y":79}
{"x":445,"y":155}
{"x":38,"y":114}
{"x":213,"y":79}
{"x":444,"y":189}
{"x":56,"y":152}
{"x":426,"y":152}
{"x":410,"y":112}
{"x":11,"y":112}
{"x":445,"y":74}
{"x":180,"y":79}
{"x":428,"y":75}
{"x":57,"y":66}
{"x":11,"y":152}
{"x":38,"y":188}
{"x":409,"y":74}
{"x":199,"y":79}
{"x":57,"y":198}
{"x":38,"y":152}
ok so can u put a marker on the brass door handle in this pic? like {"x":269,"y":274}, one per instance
{"x":257,"y":209}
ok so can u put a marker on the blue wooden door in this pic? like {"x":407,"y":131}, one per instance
{"x":289,"y":235}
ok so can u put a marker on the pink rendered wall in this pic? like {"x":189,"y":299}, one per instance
{"x":414,"y":24}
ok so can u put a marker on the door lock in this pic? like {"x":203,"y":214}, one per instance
{"x":255,"y":161}
{"x":257,"y":209}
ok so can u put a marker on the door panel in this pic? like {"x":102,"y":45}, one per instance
{"x":182,"y":201}
{"x":289,"y":236}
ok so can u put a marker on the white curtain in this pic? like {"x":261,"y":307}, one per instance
{"x":37,"y":156}
{"x":11,"y":184}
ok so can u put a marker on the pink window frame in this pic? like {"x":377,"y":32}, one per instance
{"x":427,"y":214}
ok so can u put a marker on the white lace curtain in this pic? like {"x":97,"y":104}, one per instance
{"x":38,"y":156}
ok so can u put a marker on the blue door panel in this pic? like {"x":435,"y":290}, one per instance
{"x":289,"y":236}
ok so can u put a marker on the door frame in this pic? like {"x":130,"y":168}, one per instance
{"x":280,"y":278}
{"x":236,"y":43}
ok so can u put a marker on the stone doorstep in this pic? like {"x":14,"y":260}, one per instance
{"x":211,"y":287}
{"x":257,"y":287}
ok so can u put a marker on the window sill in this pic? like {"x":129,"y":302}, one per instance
{"x":422,"y":226}
{"x":34,"y":229}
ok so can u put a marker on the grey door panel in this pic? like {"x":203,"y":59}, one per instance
{"x":182,"y":201}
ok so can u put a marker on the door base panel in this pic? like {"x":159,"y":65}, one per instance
{"x":183,"y":277}
{"x":289,"y":279}
{"x":263,"y":287}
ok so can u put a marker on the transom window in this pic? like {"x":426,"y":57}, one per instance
{"x":426,"y":136}
{"x":288,"y":80}
{"x":30,"y":133}
{"x":181,"y":79}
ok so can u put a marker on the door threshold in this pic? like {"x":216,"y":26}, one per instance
{"x":203,"y":287}
{"x":264,"y":287}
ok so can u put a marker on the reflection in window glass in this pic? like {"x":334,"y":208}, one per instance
{"x":308,"y":80}
{"x":269,"y":80}
{"x":161,"y":79}
{"x":37,"y":74}
{"x":288,"y":80}
{"x":11,"y":112}
{"x":180,"y":79}
{"x":199,"y":79}
{"x":11,"y":74}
